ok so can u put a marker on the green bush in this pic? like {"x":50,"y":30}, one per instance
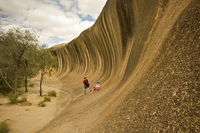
{"x":21,"y":84}
{"x":3,"y":88}
{"x":31,"y":85}
{"x":23,"y":99}
{"x":41,"y":104}
{"x":4,"y":127}
{"x":13,"y":97}
{"x":47,"y":99}
{"x":52,"y":93}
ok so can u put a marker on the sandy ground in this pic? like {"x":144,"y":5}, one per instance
{"x":29,"y":119}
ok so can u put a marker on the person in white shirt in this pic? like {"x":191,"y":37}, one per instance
{"x":97,"y":87}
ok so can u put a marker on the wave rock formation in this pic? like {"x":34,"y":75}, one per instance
{"x":146,"y":55}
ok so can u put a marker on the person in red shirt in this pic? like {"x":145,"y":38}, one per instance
{"x":86,"y":84}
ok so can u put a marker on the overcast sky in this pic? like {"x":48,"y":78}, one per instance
{"x":55,"y":21}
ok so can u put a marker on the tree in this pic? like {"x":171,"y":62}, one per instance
{"x":21,"y":58}
{"x":15,"y":45}
{"x":46,"y":63}
{"x":30,"y":65}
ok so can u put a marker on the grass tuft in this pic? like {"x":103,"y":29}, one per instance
{"x":47,"y":99}
{"x":23,"y":99}
{"x":13,"y":97}
{"x":41,"y":104}
{"x":52,"y":93}
{"x":4,"y":127}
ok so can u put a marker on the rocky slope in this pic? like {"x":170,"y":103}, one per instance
{"x":146,"y":54}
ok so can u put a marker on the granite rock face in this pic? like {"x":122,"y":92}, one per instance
{"x":149,"y":51}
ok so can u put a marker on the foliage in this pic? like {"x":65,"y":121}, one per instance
{"x":22,"y":58}
{"x":31,"y":84}
{"x":41,"y":104}
{"x":3,"y":87}
{"x":17,"y":48}
{"x":52,"y":93}
{"x":47,"y":62}
{"x":22,"y":99}
{"x":47,"y":99}
{"x":13,"y":97}
{"x":4,"y":127}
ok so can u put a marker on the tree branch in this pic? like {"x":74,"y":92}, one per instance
{"x":6,"y":81}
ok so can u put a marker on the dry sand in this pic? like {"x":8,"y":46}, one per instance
{"x":29,"y":119}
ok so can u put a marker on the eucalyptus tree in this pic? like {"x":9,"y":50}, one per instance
{"x":47,"y":62}
{"x":16,"y":46}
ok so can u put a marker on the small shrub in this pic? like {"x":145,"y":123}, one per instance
{"x":41,"y":104}
{"x":31,"y":85}
{"x":20,"y":84}
{"x":4,"y":127}
{"x":52,"y":93}
{"x":47,"y":99}
{"x":23,"y":99}
{"x":13,"y":97}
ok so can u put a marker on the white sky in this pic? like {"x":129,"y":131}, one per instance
{"x":55,"y":21}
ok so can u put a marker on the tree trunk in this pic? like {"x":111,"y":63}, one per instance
{"x":7,"y":83}
{"x":41,"y":81}
{"x":26,"y":77}
{"x":16,"y":81}
{"x":26,"y":83}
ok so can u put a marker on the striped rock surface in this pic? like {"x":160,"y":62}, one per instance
{"x":146,"y":55}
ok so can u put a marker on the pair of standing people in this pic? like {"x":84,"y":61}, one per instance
{"x":87,"y":85}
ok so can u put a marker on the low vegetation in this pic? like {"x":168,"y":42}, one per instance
{"x":41,"y":104}
{"x":13,"y":97}
{"x":47,"y":99}
{"x":22,"y":99}
{"x":16,"y":98}
{"x":52,"y":93}
{"x":31,"y":85}
{"x":4,"y":127}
